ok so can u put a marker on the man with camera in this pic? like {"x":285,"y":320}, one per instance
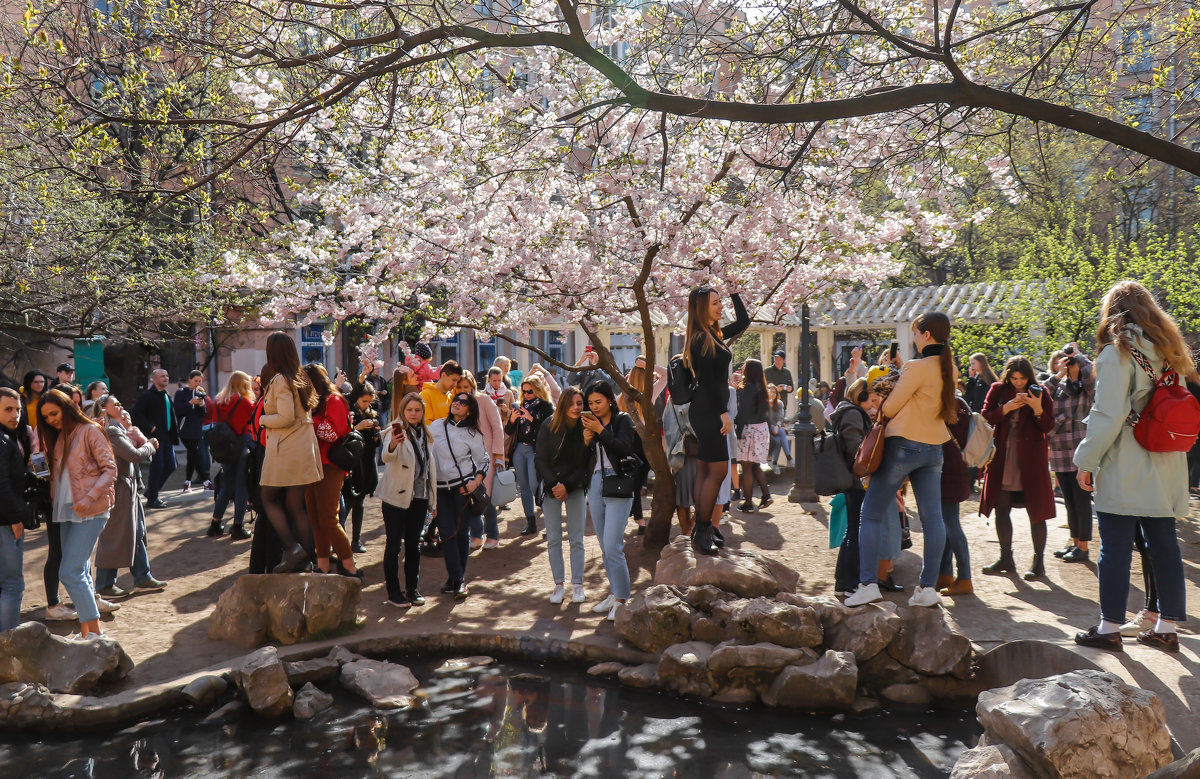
{"x":13,"y":510}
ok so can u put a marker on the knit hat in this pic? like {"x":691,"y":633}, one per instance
{"x":423,"y":351}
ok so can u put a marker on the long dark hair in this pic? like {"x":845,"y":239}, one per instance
{"x":472,"y":420}
{"x":699,"y":330}
{"x":319,"y":378}
{"x":599,"y":387}
{"x":989,"y":375}
{"x":752,"y":375}
{"x":1018,"y":364}
{"x":27,"y":382}
{"x":937,"y":326}
{"x":284,"y":360}
{"x":72,"y":418}
{"x":359,"y":391}
{"x":559,"y":421}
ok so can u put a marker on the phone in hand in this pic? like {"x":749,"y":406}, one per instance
{"x":894,"y":350}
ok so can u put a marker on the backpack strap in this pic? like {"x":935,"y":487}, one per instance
{"x":1168,"y":376}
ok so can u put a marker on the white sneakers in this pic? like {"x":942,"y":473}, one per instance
{"x":612,"y":613}
{"x":1144,"y":620}
{"x":106,"y":607}
{"x":925,"y":596}
{"x":559,"y":593}
{"x":60,"y":613}
{"x":187,"y":487}
{"x":605,"y":605}
{"x":866,"y":593}
{"x":88,"y":637}
{"x":577,"y":593}
{"x":491,"y":543}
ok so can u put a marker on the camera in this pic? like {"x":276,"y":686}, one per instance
{"x":1068,"y":349}
{"x":1072,"y":360}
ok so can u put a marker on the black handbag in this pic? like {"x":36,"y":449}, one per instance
{"x":623,"y":482}
{"x":477,"y":499}
{"x":224,"y":445}
{"x":831,"y":473}
{"x":348,"y":452}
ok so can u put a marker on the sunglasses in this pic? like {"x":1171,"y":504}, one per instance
{"x":460,"y":399}
{"x":526,"y":392}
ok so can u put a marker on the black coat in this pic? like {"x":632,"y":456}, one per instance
{"x":150,"y":415}
{"x":617,"y":441}
{"x":563,"y":458}
{"x":189,"y":418}
{"x":13,"y":508}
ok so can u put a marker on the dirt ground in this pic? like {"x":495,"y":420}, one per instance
{"x":166,"y":632}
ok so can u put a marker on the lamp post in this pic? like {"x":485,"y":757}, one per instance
{"x":803,"y":489}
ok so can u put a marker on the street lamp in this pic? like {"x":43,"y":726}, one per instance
{"x":803,"y":489}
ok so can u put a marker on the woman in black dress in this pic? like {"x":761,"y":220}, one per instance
{"x":709,"y":357}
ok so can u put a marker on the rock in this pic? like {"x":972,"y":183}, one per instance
{"x":234,"y":710}
{"x":827,"y":684}
{"x":318,"y":669}
{"x":930,"y":642}
{"x":990,"y":762}
{"x":262,"y":679}
{"x":736,"y":696}
{"x":913,"y":695}
{"x":866,"y":631}
{"x":644,"y":675}
{"x":704,"y":597}
{"x":762,"y":619}
{"x":454,"y":665}
{"x":286,"y":608}
{"x":655,"y":618}
{"x":865,"y":705}
{"x":951,"y":689}
{"x":830,"y":610}
{"x":882,"y":670}
{"x":202,"y":692}
{"x":754,"y":666}
{"x":605,"y":670}
{"x":684,"y":669}
{"x":384,"y":685}
{"x":705,"y":628}
{"x":745,"y":573}
{"x":342,"y":655}
{"x":310,"y":700}
{"x":31,"y":653}
{"x":1079,"y":724}
{"x":1187,"y":767}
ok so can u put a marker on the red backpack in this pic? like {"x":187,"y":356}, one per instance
{"x":1170,"y":422}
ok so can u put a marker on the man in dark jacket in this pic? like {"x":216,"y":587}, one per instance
{"x":153,"y":414}
{"x":13,"y":510}
{"x":781,"y":377}
{"x":189,"y":408}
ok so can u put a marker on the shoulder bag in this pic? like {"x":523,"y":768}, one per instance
{"x":870,"y":451}
{"x":623,"y":482}
{"x":477,"y":499}
{"x":831,"y":473}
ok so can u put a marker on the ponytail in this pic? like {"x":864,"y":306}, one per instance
{"x":937,"y":325}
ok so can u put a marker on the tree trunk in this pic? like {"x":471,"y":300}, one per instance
{"x":662,"y":511}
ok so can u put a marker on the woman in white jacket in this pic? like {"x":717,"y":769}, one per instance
{"x":409,"y":492}
{"x":461,"y":458}
{"x":493,"y":433}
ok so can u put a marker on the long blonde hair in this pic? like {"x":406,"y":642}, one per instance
{"x":539,"y":387}
{"x":237,"y":385}
{"x":1129,"y":303}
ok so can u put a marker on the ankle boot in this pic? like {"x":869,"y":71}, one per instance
{"x":1004,"y":565}
{"x":1036,"y":569}
{"x":292,"y":560}
{"x":530,"y":526}
{"x":718,"y":539}
{"x":703,"y":541}
{"x":216,"y":529}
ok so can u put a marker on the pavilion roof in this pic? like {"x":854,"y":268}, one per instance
{"x":979,"y":303}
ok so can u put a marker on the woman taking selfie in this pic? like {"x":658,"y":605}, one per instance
{"x":526,"y":420}
{"x":1019,"y":475}
{"x":408,"y":490}
{"x":707,"y":355}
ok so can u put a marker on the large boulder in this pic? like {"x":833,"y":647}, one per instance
{"x":644,"y":675}
{"x":384,"y":685}
{"x":284,"y":608}
{"x":762,"y":619}
{"x":31,"y":653}
{"x":990,"y":762}
{"x":865,"y":631}
{"x":745,"y":573}
{"x":883,"y":670}
{"x":1079,"y":724}
{"x":655,"y":618}
{"x":754,"y":666}
{"x":1186,"y":767}
{"x":930,"y":642}
{"x":684,"y":669}
{"x":262,"y":679}
{"x":827,"y":684}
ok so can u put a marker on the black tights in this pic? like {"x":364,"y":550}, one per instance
{"x":1004,"y":528}
{"x":709,"y":477}
{"x":280,"y":503}
{"x":53,"y":561}
{"x":752,"y":473}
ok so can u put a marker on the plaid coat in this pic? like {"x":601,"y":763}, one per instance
{"x":1071,"y":406}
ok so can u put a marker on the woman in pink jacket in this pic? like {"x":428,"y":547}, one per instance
{"x":83,"y":477}
{"x":493,"y":437}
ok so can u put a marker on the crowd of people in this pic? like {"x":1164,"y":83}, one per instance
{"x":437,"y":445}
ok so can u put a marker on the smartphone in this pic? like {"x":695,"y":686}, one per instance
{"x":893,"y":351}
{"x":588,"y":414}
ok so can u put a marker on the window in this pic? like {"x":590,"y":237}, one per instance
{"x":485,"y":354}
{"x":445,"y":349}
{"x":625,"y":350}
{"x":1135,"y":49}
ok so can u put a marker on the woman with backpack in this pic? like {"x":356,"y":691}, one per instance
{"x":235,"y":408}
{"x":1133,"y":485}
{"x":754,"y":435}
{"x":462,"y":460}
{"x":706,"y":354}
{"x":364,"y":477}
{"x":1072,"y":386}
{"x":850,"y":421}
{"x":917,"y":409}
{"x":331,"y":421}
{"x":565,"y":467}
{"x":1022,"y":414}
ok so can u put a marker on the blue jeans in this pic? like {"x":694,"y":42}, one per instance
{"x":78,"y":542}
{"x":161,"y":468}
{"x":779,"y":443}
{"x":1116,"y":550}
{"x":12,"y":580}
{"x":487,"y":523}
{"x":576,"y":506}
{"x":107,"y":577}
{"x":453,"y":526}
{"x":609,"y":517}
{"x":921,"y":464}
{"x":956,"y":544}
{"x":527,"y":477}
{"x":233,"y":487}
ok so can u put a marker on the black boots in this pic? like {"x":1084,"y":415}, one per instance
{"x":239,"y":533}
{"x":1036,"y":570}
{"x":530,"y":526}
{"x":703,"y":539}
{"x":1004,"y":565}
{"x":292,"y":560}
{"x":215,"y":529}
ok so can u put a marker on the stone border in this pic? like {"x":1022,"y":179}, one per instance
{"x":65,"y":712}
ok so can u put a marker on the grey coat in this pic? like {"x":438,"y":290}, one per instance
{"x":117,"y":541}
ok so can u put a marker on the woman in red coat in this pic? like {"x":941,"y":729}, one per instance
{"x":1019,"y":475}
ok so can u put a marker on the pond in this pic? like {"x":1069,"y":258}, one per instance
{"x":512,"y":720}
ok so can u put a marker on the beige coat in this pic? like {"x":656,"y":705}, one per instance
{"x":291,"y":456}
{"x":915,"y":404}
{"x":119,"y":537}
{"x":396,"y":486}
